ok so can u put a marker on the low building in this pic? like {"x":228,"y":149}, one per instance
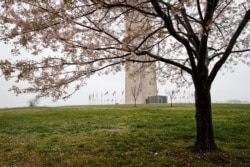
{"x":157,"y":99}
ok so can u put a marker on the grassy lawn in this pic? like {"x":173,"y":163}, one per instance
{"x":120,"y":135}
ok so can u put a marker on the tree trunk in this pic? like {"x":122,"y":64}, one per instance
{"x":135,"y":101}
{"x":205,"y":135}
{"x":171,"y":101}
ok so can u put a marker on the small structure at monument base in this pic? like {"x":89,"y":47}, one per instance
{"x":156,"y":99}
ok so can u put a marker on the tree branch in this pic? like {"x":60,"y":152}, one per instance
{"x":168,"y":24}
{"x":168,"y":61}
{"x":234,"y":51}
{"x":229,"y":48}
{"x":199,"y":10}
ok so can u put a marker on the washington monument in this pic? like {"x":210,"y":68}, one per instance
{"x":140,"y":78}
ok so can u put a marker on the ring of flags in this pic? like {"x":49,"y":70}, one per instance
{"x":106,"y":97}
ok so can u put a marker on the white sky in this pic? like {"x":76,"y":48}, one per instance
{"x":230,"y":86}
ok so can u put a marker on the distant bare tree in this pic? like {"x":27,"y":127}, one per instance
{"x":172,"y":95}
{"x":33,"y":102}
{"x":136,"y":90}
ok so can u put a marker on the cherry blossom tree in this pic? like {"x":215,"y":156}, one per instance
{"x":191,"y":41}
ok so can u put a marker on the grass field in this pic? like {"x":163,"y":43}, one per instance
{"x":120,"y":135}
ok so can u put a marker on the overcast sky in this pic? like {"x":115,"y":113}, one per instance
{"x":230,"y":86}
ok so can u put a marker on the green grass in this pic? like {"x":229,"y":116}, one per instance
{"x":120,"y":135}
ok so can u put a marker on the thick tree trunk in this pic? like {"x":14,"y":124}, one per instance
{"x":205,"y":135}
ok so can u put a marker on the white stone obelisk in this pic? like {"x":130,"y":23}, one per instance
{"x":140,"y":81}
